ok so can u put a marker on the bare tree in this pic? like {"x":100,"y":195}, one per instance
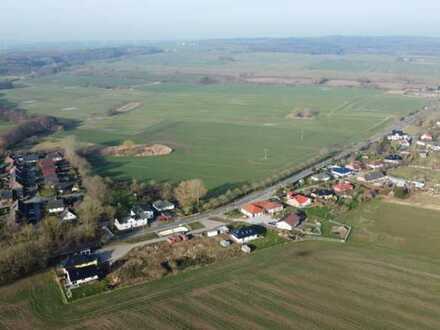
{"x":188,"y":193}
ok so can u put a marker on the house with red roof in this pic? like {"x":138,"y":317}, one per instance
{"x":355,"y":166}
{"x":343,"y":187}
{"x":298,"y":200}
{"x":426,"y":137}
{"x":376,"y":164}
{"x":260,"y":208}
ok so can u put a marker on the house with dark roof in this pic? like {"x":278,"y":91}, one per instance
{"x":31,"y":210}
{"x":293,"y":220}
{"x":246,"y":234}
{"x":393,"y":159}
{"x":55,"y":206}
{"x":340,"y":171}
{"x":324,"y":194}
{"x":81,"y":268}
{"x":373,"y":177}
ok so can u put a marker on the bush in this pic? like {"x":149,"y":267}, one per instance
{"x":401,"y":192}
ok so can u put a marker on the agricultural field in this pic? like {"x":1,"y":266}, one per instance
{"x":225,"y":133}
{"x":386,"y":276}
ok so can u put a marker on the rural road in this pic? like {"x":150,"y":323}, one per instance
{"x":116,"y":250}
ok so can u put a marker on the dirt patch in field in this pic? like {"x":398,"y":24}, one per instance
{"x":156,"y":261}
{"x":303,"y":114}
{"x":421,"y":200}
{"x":137,"y":150}
{"x":124,"y":108}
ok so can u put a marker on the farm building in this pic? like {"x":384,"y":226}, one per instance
{"x":298,"y":200}
{"x":291,"y":221}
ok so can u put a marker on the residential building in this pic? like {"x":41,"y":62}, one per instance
{"x":340,"y":171}
{"x":256,"y":209}
{"x":398,"y":135}
{"x":298,"y":200}
{"x":162,"y":206}
{"x":246,"y":234}
{"x":320,"y":177}
{"x":427,"y":137}
{"x":67,"y":215}
{"x":324,"y":194}
{"x":373,"y":177}
{"x":81,"y":268}
{"x":393,"y":159}
{"x":139,"y":216}
{"x":375,"y":165}
{"x":343,"y":187}
{"x":398,"y":182}
{"x":55,"y":206}
{"x":291,"y":221}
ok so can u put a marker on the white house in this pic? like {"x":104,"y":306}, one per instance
{"x":290,"y":222}
{"x":298,"y":200}
{"x":426,"y":137}
{"x":80,"y":268}
{"x":77,"y":276}
{"x":130,"y":222}
{"x":398,"y":135}
{"x":320,"y":177}
{"x":55,"y":206}
{"x":244,"y":235}
{"x":163,"y":206}
{"x":398,"y":182}
{"x":68,"y":215}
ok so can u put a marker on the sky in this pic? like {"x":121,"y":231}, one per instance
{"x":81,"y":20}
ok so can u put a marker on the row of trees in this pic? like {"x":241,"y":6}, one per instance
{"x":191,"y":194}
{"x":187,"y":193}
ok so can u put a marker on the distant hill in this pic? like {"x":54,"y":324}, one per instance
{"x":42,"y":62}
{"x":339,"y":45}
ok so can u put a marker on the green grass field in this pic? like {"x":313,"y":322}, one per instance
{"x":220,"y":132}
{"x":386,"y":277}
